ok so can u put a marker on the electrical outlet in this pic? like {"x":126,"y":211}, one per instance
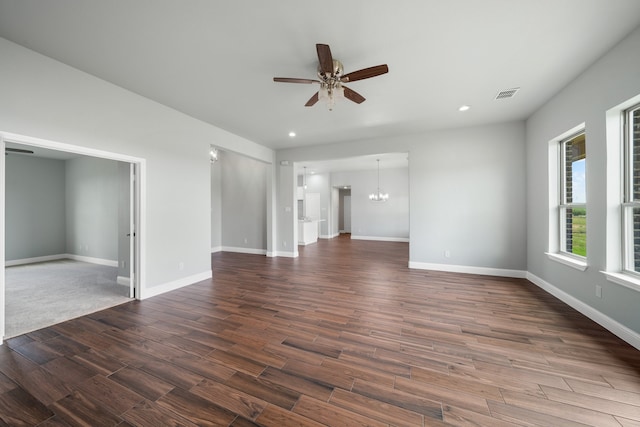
{"x":284,"y":243}
{"x":246,"y":240}
{"x":599,"y":291}
{"x":181,"y":266}
{"x":447,"y":253}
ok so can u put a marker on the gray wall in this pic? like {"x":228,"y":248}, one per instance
{"x":286,"y":242}
{"x":388,"y":219}
{"x":92,"y":188}
{"x":56,"y":207}
{"x":610,"y":81}
{"x":35,"y":207}
{"x":216,"y":204}
{"x":43,"y":98}
{"x":467,"y":197}
{"x":244,"y":202}
{"x":466,"y":193}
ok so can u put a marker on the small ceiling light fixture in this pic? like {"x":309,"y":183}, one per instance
{"x":213,"y":154}
{"x":292,"y":134}
{"x":378,"y":196}
{"x":330,"y":91}
{"x":464,"y":108}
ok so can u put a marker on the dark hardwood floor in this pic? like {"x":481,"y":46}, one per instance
{"x":344,"y":335}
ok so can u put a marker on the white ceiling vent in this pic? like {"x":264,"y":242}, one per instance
{"x":509,"y":93}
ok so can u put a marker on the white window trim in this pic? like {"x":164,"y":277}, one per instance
{"x":562,"y":258}
{"x":623,"y":279}
{"x":554,"y":253}
{"x":614,"y":266}
{"x":628,"y":202}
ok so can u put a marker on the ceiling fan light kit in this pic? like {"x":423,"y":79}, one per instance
{"x":331,"y":78}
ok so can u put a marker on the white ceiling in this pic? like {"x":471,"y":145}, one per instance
{"x":387,"y":161}
{"x":215,"y":60}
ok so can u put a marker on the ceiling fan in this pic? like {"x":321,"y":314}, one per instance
{"x":331,"y":79}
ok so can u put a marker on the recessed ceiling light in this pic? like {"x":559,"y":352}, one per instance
{"x":464,"y":108}
{"x":292,"y":134}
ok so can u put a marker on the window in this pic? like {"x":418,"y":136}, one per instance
{"x":631,"y":191}
{"x":573,"y":196}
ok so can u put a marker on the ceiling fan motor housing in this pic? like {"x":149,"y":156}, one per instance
{"x":338,"y":70}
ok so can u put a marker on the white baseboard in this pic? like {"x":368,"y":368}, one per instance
{"x":91,"y":260}
{"x":216,"y":249}
{"x":35,"y":259}
{"x":306,"y":243}
{"x":283,"y":254}
{"x":603,"y":320}
{"x":380,"y":239}
{"x":124,"y":281}
{"x":500,"y":272}
{"x":173,"y":285}
{"x":328,"y":236}
{"x":244,"y":250}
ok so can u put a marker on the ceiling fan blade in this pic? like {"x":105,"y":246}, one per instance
{"x":312,"y":101}
{"x":353,"y":95}
{"x":365,"y":73}
{"x":17,"y":150}
{"x":294,"y":80}
{"x":324,"y":58}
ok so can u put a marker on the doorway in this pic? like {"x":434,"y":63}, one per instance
{"x":83,"y":246}
{"x":344,"y":211}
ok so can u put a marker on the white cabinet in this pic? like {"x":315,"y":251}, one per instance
{"x":307,"y":232}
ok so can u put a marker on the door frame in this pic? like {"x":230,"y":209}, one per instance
{"x":139,"y":164}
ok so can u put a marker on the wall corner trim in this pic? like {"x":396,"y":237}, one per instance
{"x":616,"y":328}
{"x":500,"y":272}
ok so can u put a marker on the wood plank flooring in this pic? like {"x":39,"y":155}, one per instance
{"x":344,"y":335}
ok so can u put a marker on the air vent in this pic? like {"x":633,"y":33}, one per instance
{"x":17,"y":150}
{"x":509,"y":93}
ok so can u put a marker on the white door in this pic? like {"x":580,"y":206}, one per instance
{"x":347,"y":214}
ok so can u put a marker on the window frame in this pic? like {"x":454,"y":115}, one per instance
{"x":629,"y":202}
{"x":563,"y":205}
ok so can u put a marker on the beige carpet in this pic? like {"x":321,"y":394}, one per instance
{"x":46,"y":293}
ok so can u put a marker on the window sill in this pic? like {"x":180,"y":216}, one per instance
{"x":571,"y":262}
{"x":623,"y":279}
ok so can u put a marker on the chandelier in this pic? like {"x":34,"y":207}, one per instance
{"x":378,"y":196}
